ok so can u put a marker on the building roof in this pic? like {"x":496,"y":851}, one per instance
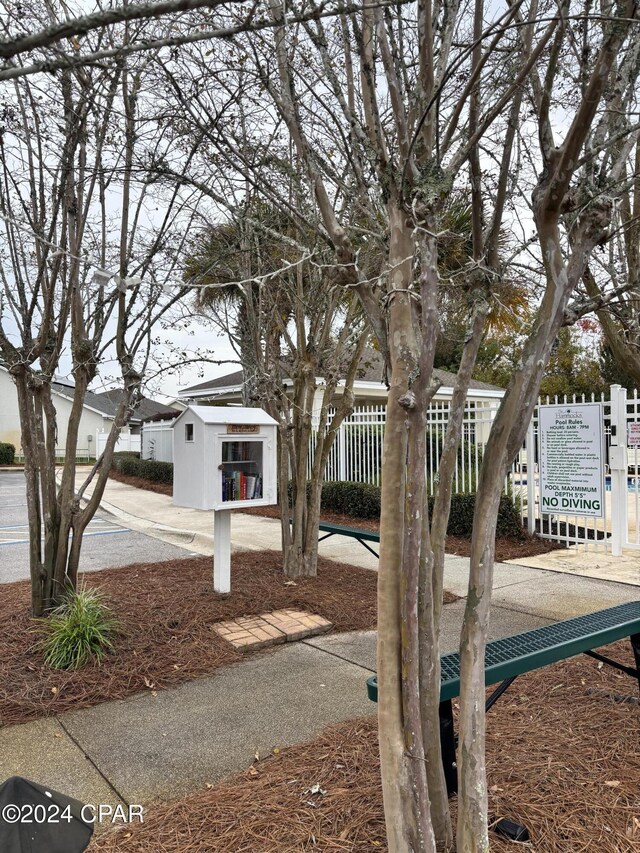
{"x":164,"y":416}
{"x":106,"y":402}
{"x":91,"y":400}
{"x":228,"y":415}
{"x":229,"y":380}
{"x":371,"y":369}
{"x":144,"y":409}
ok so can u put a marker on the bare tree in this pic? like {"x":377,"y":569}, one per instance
{"x":384,"y":113}
{"x":619,"y":259}
{"x":85,"y":266}
{"x":297,"y":335}
{"x":183,"y":22}
{"x":382,"y":108}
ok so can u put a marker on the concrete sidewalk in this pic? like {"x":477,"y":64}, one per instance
{"x":150,"y":747}
{"x":158,"y":747}
{"x":155,"y":515}
{"x":589,"y":562}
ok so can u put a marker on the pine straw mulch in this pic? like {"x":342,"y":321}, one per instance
{"x":563,"y":759}
{"x":166,"y":611}
{"x":507,"y":548}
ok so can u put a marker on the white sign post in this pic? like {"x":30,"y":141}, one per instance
{"x":571,"y":459}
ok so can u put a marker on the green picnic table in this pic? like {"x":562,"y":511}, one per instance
{"x":509,"y":657}
{"x":358,"y":533}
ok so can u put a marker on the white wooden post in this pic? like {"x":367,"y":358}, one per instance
{"x":618,"y":467}
{"x":222,"y":550}
{"x":530,"y":450}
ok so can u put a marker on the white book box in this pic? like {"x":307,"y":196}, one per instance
{"x":224,"y":457}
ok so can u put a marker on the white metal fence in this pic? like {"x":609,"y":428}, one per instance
{"x":624,"y":462}
{"x":356,"y":454}
{"x":358,"y":448}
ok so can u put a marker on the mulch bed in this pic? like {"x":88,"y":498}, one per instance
{"x":166,"y":611}
{"x":457,"y":546}
{"x":562,"y":758}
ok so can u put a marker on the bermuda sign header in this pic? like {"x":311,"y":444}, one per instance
{"x":571,"y":459}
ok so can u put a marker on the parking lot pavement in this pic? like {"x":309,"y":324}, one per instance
{"x":105,"y":544}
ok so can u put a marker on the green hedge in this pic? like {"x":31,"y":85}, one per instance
{"x":362,"y":500}
{"x":461,"y":517}
{"x":148,"y":469}
{"x":7,"y":453}
{"x":357,"y":499}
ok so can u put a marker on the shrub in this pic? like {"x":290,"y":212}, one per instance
{"x":362,"y":500}
{"x":461,"y":517}
{"x":148,"y":469}
{"x":7,"y":453}
{"x":157,"y":472}
{"x":81,"y":628}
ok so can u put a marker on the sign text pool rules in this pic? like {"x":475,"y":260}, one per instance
{"x":571,"y":459}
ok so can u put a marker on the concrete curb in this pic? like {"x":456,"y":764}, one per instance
{"x":201,"y":543}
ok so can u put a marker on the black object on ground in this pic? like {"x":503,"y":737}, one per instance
{"x":512,"y":830}
{"x":36,"y":819}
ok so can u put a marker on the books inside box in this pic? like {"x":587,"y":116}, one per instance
{"x":241,"y":470}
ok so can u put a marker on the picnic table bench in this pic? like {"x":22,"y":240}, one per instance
{"x":509,"y":657}
{"x":358,"y":533}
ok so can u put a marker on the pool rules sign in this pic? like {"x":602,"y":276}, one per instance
{"x":571,"y":459}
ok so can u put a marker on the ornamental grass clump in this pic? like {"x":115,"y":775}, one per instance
{"x":78,"y":630}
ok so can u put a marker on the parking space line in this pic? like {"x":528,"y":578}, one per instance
{"x":86,"y":535}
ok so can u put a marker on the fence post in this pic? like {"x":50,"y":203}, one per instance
{"x":342,"y":455}
{"x":618,"y":468}
{"x":530,"y":450}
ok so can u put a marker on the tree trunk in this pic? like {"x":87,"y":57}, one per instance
{"x":404,"y":783}
{"x":295,"y":562}
{"x":40,"y":589}
{"x":432,"y":578}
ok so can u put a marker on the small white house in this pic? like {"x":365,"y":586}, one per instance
{"x":224,"y":458}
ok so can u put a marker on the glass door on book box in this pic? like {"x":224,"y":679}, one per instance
{"x":242,"y":468}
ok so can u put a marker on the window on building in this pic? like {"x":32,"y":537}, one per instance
{"x":188,"y":432}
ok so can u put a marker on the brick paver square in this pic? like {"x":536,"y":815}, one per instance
{"x":279,"y":626}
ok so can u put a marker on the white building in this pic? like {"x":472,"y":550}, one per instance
{"x":98,"y":414}
{"x":369,"y":389}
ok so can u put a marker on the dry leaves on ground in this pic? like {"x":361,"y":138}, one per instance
{"x":563,"y":759}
